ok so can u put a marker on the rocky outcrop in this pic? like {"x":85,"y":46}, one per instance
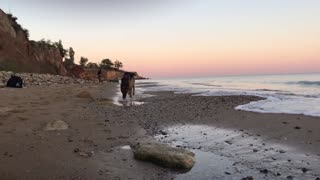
{"x":91,"y":73}
{"x":18,"y":54}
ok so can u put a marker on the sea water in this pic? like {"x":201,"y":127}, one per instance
{"x":291,"y":94}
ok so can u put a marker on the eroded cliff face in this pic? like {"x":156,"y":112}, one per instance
{"x":18,"y":54}
{"x":92,"y":73}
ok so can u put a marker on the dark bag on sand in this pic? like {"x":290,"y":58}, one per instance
{"x":15,"y":82}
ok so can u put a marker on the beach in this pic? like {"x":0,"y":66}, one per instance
{"x":229,"y":143}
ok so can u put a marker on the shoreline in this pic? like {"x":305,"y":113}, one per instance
{"x":91,"y":148}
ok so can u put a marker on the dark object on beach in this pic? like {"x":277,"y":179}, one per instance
{"x":99,"y":75}
{"x":289,"y":177}
{"x":297,"y":127}
{"x":304,"y":170}
{"x":247,"y":178}
{"x":15,"y":82}
{"x":128,"y":85}
{"x":264,"y":171}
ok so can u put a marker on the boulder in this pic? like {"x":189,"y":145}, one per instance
{"x":85,"y":95}
{"x":164,"y":155}
{"x":56,"y":125}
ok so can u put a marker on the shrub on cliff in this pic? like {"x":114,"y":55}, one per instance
{"x":63,"y":52}
{"x":92,"y":65}
{"x":106,"y":64}
{"x":83,"y":61}
{"x":118,"y":64}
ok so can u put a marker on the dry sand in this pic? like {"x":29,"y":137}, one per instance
{"x":97,"y":129}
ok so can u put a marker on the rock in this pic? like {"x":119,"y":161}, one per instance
{"x":56,"y":125}
{"x":297,"y":127}
{"x":247,"y":178}
{"x":264,"y":171}
{"x":163,"y":132}
{"x":85,"y":95}
{"x":289,"y":177}
{"x":304,"y":170}
{"x":164,"y":155}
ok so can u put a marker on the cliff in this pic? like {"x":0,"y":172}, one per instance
{"x":91,"y":73}
{"x":18,"y":54}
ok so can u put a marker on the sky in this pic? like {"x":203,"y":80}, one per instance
{"x":182,"y":38}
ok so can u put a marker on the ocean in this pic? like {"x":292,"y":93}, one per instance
{"x":290,"y":94}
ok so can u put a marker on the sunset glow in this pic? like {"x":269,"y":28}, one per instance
{"x":183,"y":37}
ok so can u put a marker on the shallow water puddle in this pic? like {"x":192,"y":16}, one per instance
{"x":230,"y":154}
{"x":117,"y":100}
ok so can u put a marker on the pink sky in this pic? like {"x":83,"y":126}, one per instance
{"x":183,"y":37}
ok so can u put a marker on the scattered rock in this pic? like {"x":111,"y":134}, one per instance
{"x":304,"y":170}
{"x":33,"y":79}
{"x":84,"y":95}
{"x":255,"y":150}
{"x":282,"y":151}
{"x":83,"y":153}
{"x":289,"y":177}
{"x":285,"y":123}
{"x":227,"y":173}
{"x":228,"y":142}
{"x":56,"y":125}
{"x":247,"y":178}
{"x":163,"y":132}
{"x":164,"y":155}
{"x":264,"y":171}
{"x":297,"y":127}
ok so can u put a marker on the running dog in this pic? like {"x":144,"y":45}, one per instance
{"x":128,"y":85}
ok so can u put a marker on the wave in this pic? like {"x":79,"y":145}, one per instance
{"x":205,"y":84}
{"x":306,"y":83}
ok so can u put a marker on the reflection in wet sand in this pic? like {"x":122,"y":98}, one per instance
{"x":231,"y":154}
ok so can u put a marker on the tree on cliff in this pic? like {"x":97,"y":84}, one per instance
{"x":83,"y":61}
{"x":71,"y":54}
{"x":69,"y":61}
{"x":92,"y":65}
{"x":106,"y":63}
{"x":63,"y":52}
{"x":118,"y":64}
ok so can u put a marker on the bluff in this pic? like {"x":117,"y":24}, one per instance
{"x":86,"y":73}
{"x":19,"y":54}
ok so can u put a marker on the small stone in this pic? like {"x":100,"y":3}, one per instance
{"x":76,"y":150}
{"x":264,"y":171}
{"x":304,"y":170}
{"x":297,"y":127}
{"x":227,"y":173}
{"x":282,"y":151}
{"x":289,"y":177}
{"x":247,"y":178}
{"x":255,"y":150}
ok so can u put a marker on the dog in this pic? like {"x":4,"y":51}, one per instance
{"x":128,"y":84}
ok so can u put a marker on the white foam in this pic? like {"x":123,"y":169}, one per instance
{"x":281,"y":97}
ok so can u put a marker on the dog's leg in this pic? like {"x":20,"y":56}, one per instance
{"x":134,"y":90}
{"x":130,"y":93}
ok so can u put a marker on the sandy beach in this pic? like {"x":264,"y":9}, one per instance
{"x":229,"y":144}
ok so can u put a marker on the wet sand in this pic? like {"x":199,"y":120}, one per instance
{"x":229,"y":144}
